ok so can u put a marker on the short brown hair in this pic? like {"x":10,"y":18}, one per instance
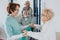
{"x":12,"y":7}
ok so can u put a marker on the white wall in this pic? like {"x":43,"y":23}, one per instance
{"x":3,"y":12}
{"x":55,"y":6}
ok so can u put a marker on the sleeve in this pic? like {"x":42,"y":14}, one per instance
{"x":38,"y":26}
{"x":16,"y":37}
{"x":23,"y":27}
{"x":33,"y":35}
{"x":9,"y":30}
{"x":36,"y":35}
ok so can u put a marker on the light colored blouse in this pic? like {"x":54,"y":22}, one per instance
{"x":47,"y":32}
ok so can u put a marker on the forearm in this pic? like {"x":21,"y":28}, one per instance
{"x":36,"y":35}
{"x":32,"y":34}
{"x":23,"y":27}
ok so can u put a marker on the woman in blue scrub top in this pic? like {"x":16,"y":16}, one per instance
{"x":12,"y":26}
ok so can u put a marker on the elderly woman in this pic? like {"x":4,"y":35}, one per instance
{"x":47,"y":32}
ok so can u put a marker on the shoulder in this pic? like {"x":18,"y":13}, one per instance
{"x":24,"y":8}
{"x":9,"y":19}
{"x":30,"y":7}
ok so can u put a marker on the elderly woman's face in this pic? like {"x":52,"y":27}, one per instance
{"x":46,"y":15}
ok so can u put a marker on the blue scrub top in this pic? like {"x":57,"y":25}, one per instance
{"x":13,"y":27}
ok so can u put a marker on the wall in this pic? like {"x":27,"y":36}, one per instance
{"x":22,"y":2}
{"x":3,"y":12}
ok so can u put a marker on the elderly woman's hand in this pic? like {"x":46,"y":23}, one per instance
{"x":32,"y":25}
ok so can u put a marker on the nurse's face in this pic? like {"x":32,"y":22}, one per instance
{"x":15,"y":13}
